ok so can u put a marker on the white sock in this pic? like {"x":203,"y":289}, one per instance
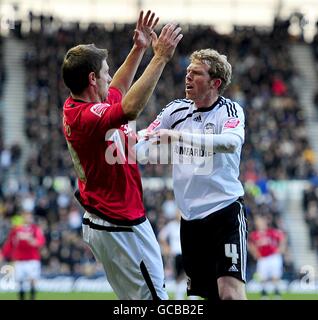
{"x":179,"y":291}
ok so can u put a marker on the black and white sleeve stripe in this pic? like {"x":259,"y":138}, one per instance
{"x":231,"y":110}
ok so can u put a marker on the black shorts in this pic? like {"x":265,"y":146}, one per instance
{"x":178,"y":266}
{"x":214,"y":247}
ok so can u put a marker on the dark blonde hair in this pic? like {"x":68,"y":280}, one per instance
{"x":219,"y":67}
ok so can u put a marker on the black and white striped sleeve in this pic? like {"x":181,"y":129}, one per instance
{"x":232,"y":119}
{"x":163,"y":120}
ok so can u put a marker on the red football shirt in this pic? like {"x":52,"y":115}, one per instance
{"x":109,"y":185}
{"x":267,"y":242}
{"x":24,"y":243}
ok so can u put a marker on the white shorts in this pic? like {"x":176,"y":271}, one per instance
{"x":130,"y":255}
{"x":270,"y":267}
{"x":27,"y":270}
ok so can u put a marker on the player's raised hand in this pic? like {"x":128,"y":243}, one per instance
{"x":145,"y":26}
{"x":165,"y":45}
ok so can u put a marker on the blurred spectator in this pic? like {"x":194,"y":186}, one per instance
{"x":315,"y":42}
{"x":169,"y":206}
{"x":311,"y":217}
{"x":279,"y":87}
{"x":315,"y":97}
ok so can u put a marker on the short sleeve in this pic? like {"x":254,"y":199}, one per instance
{"x":114,"y":116}
{"x":232,"y":119}
{"x":114,"y":95}
{"x":107,"y":115}
{"x":163,"y":120}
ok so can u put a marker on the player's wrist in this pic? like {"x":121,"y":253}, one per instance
{"x":161,"y":58}
{"x":139,"y":48}
{"x":175,"y":135}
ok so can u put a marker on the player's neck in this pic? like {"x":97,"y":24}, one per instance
{"x":206,"y":103}
{"x":86,"y":96}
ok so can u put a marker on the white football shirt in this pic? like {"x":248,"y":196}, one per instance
{"x":204,"y":180}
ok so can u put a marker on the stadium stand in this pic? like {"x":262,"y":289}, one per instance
{"x":2,"y":149}
{"x":309,"y":196}
{"x":314,"y":46}
{"x":262,"y":84}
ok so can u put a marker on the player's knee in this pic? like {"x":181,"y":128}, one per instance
{"x":231,"y":289}
{"x":227,"y":294}
{"x":232,"y":294}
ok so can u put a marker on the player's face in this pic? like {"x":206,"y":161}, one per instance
{"x":261,"y":223}
{"x":197,"y":81}
{"x":27,"y":217}
{"x":103,"y":81}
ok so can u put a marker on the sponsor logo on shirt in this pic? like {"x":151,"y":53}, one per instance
{"x":192,"y":152}
{"x":99,"y":108}
{"x":153,"y":125}
{"x":232,"y":123}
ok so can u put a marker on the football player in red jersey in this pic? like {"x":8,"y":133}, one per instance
{"x":95,"y":120}
{"x":23,"y":248}
{"x":267,"y":246}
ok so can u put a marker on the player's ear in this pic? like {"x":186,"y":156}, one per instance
{"x":92,"y":78}
{"x":216,"y":83}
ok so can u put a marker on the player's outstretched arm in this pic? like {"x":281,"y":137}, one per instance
{"x":164,"y":47}
{"x":220,"y":143}
{"x":142,"y":38}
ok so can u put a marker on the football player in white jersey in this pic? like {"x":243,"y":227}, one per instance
{"x":205,"y":133}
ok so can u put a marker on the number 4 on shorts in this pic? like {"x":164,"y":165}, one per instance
{"x":231,"y":252}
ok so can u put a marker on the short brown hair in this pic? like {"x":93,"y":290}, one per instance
{"x":79,"y":62}
{"x":219,"y":67}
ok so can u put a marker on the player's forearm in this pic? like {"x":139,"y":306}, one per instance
{"x":139,"y":94}
{"x":219,"y":143}
{"x":124,"y":76}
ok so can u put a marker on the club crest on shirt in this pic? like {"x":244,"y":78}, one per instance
{"x":209,"y":128}
{"x":99,"y":108}
{"x":231,"y":123}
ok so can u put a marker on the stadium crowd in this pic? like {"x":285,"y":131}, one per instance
{"x":262,"y":83}
{"x":2,"y":79}
{"x":315,"y":54}
{"x":310,"y":195}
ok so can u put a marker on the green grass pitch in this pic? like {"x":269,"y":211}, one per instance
{"x":111,"y":296}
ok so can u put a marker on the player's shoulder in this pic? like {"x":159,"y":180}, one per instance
{"x":276,"y":231}
{"x":114,"y":93}
{"x":177,"y":108}
{"x":178,"y":105}
{"x":180,"y":101}
{"x":230,"y":107}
